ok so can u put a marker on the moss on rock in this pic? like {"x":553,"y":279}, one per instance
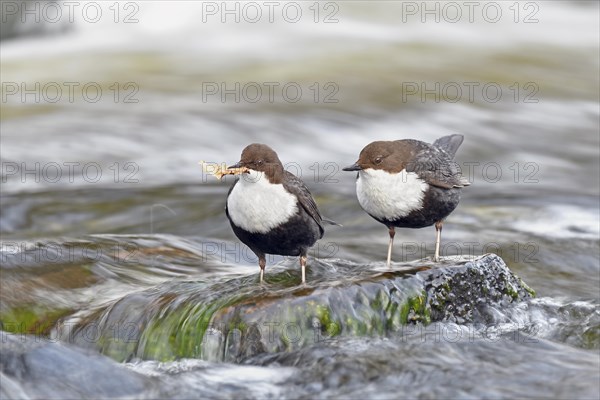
{"x":237,"y":318}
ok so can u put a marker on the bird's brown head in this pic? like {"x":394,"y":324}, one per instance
{"x":261,"y":158}
{"x":380,"y":155}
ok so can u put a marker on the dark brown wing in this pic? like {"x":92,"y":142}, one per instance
{"x":437,"y":168}
{"x":295,"y":186}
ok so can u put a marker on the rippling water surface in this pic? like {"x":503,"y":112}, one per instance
{"x":131,"y":217}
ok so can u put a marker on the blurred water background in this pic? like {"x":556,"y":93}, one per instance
{"x":104,"y":118}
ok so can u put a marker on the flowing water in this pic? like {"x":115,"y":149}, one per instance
{"x":108,"y":221}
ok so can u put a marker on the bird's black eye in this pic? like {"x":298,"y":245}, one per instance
{"x":259,"y":162}
{"x":378,"y":160}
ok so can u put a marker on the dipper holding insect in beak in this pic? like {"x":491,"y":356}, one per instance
{"x":409,"y":184}
{"x":271,"y":210}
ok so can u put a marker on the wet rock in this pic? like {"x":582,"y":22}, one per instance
{"x":458,"y":293}
{"x":31,"y":367}
{"x":463,"y":293}
{"x":232,"y":319}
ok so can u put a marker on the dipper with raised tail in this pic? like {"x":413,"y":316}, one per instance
{"x":271,"y":210}
{"x":409,"y":184}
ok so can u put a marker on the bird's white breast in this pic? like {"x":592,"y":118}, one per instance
{"x":389,"y":196}
{"x":257,"y":206}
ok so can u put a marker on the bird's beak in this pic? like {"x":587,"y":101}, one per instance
{"x":236,"y":165}
{"x":353,"y":167}
{"x":237,"y":168}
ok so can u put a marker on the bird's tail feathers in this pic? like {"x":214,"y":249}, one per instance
{"x":449,"y":144}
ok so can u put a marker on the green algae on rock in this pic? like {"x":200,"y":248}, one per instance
{"x":33,"y":319}
{"x":235,"y":318}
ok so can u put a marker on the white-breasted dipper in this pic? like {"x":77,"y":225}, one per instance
{"x":409,"y":184}
{"x":271,"y":210}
